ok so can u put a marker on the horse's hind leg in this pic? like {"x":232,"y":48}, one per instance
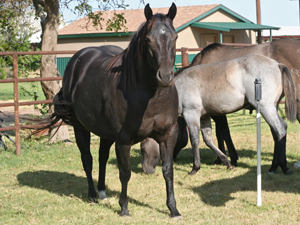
{"x":105,"y":145}
{"x":192,"y":119}
{"x":279,"y":129}
{"x":207,"y":136}
{"x":223,"y":133}
{"x":83,"y":138}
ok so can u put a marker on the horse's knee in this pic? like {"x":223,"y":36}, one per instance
{"x":167,"y":170}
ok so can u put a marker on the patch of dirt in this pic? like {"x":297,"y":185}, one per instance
{"x":7,"y":114}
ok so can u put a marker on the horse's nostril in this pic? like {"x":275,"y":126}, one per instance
{"x":159,"y":75}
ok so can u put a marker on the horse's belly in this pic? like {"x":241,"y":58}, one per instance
{"x":96,"y":123}
{"x":224,"y":105}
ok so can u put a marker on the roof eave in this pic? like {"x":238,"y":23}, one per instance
{"x":223,"y":26}
{"x":219,"y":7}
{"x":113,"y":34}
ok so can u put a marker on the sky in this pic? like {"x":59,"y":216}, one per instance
{"x":273,"y":12}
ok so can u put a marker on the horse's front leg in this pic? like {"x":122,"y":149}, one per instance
{"x":123,"y":154}
{"x":166,"y":151}
{"x":105,"y":145}
{"x":207,"y":136}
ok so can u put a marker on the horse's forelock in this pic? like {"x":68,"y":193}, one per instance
{"x":132,"y":57}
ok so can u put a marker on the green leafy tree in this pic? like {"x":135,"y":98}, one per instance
{"x":16,"y":27}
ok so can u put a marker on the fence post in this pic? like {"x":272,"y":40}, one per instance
{"x":16,"y":103}
{"x":258,"y":95}
{"x":184,"y":57}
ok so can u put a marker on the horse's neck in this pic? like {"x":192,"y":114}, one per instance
{"x":147,"y":77}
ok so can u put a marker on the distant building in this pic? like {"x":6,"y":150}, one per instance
{"x":195,"y":25}
{"x":284,"y":32}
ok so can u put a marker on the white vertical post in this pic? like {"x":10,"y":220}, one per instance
{"x":258,"y":122}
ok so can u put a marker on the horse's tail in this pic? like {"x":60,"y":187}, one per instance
{"x":63,"y":111}
{"x":289,"y":92}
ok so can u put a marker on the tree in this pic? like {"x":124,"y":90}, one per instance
{"x":16,"y":27}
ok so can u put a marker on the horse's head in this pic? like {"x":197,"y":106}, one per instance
{"x":161,"y":44}
{"x":150,"y":155}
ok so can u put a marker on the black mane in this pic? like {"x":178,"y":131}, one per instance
{"x":209,"y":48}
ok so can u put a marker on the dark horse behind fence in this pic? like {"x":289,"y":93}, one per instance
{"x":124,"y":97}
{"x":286,"y":51}
{"x":225,"y":87}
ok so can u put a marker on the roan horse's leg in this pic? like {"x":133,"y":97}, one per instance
{"x":105,"y":145}
{"x":83,"y":138}
{"x":223,"y":133}
{"x":207,"y":136}
{"x":191,"y":118}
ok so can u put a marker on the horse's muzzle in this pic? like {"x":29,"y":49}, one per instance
{"x":164,"y":79}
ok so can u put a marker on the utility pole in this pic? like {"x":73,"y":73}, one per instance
{"x":299,"y":11}
{"x":258,"y":18}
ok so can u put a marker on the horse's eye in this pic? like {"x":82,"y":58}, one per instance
{"x":148,"y":39}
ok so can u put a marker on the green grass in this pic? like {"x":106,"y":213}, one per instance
{"x":46,"y":184}
{"x":7,"y":91}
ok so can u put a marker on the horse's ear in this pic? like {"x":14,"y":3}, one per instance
{"x":172,"y":11}
{"x":148,"y":12}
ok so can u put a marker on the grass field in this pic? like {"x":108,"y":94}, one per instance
{"x":46,"y":184}
{"x":7,"y":91}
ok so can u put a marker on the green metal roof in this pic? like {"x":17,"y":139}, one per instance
{"x":112,"y":34}
{"x":227,"y":26}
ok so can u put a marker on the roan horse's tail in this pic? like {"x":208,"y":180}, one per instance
{"x":289,"y":92}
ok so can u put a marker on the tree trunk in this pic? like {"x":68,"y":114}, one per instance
{"x":50,"y":24}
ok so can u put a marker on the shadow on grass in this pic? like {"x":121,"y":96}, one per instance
{"x":208,"y":157}
{"x":218,"y":192}
{"x":67,"y":184}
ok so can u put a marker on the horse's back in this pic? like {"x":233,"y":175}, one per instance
{"x":217,"y":53}
{"x":286,"y":51}
{"x":88,"y":62}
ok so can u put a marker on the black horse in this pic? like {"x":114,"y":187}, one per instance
{"x":124,"y":97}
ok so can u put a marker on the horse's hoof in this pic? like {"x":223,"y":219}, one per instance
{"x":102,"y":195}
{"x":297,"y":165}
{"x":193,"y":172}
{"x":93,"y":200}
{"x":231,"y":167}
{"x":234,"y":163}
{"x":177,"y":217}
{"x":272,"y":169}
{"x":288,"y":172}
{"x":218,"y":161}
{"x":271,"y":172}
{"x":125,"y":214}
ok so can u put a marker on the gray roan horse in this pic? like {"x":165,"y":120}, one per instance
{"x":286,"y":51}
{"x":124,"y":97}
{"x":225,"y":87}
